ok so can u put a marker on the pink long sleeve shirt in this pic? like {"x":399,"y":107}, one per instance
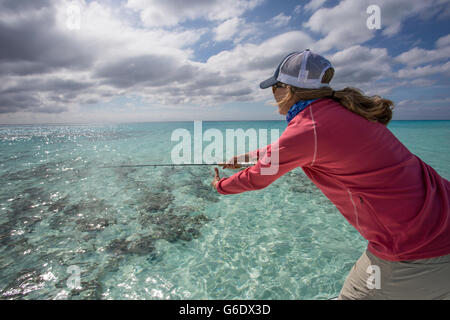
{"x":394,"y":199}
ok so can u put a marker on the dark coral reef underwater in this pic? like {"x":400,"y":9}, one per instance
{"x":37,"y":227}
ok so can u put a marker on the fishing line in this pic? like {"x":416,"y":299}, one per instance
{"x":241,"y":164}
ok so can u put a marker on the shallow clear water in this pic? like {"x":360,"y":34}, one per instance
{"x":164,"y":233}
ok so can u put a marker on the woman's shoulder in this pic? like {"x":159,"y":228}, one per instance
{"x":314,"y":112}
{"x":331,"y":114}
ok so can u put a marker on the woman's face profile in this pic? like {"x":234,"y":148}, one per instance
{"x":279,"y":94}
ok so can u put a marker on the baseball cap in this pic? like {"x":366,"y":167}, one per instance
{"x":303,"y":69}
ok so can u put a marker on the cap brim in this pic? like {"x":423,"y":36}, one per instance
{"x":268,"y":83}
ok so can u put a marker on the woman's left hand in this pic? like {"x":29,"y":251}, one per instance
{"x":216,"y":178}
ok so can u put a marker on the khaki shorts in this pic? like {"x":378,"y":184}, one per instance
{"x":375,"y":278}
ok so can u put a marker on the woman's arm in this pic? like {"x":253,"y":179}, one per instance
{"x":251,"y":156}
{"x":257,"y":154}
{"x":294,"y":148}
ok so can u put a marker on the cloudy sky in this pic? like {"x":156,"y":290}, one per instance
{"x":171,"y":60}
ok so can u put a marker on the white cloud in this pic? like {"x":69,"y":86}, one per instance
{"x":67,"y":67}
{"x":314,"y":5}
{"x":359,"y":65}
{"x":341,"y":26}
{"x":424,"y":71}
{"x":106,"y":31}
{"x":226,"y":30}
{"x":171,"y":12}
{"x":417,"y":56}
{"x":263,"y":56}
{"x":256,"y":62}
{"x":238,"y":30}
{"x":280,"y":20}
{"x":443,"y":41}
{"x":432,"y":109}
{"x":345,"y":24}
{"x":55,"y":69}
{"x":423,"y":102}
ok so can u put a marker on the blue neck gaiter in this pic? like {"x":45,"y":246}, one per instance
{"x":296,"y":108}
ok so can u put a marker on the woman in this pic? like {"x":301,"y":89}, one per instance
{"x":395,"y":200}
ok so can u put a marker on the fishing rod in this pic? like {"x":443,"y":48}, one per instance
{"x":240,"y":164}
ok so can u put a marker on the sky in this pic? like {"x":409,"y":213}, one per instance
{"x":87,"y":61}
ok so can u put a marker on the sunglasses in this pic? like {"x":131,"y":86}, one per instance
{"x":279,"y":85}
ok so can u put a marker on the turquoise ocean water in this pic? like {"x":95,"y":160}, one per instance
{"x":164,"y":233}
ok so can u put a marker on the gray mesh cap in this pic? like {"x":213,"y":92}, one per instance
{"x":303,"y":69}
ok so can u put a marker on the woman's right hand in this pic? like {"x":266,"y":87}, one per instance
{"x":233,"y":163}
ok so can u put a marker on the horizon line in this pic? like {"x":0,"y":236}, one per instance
{"x":174,"y":121}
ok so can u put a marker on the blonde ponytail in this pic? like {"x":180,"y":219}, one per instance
{"x":372,"y":108}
